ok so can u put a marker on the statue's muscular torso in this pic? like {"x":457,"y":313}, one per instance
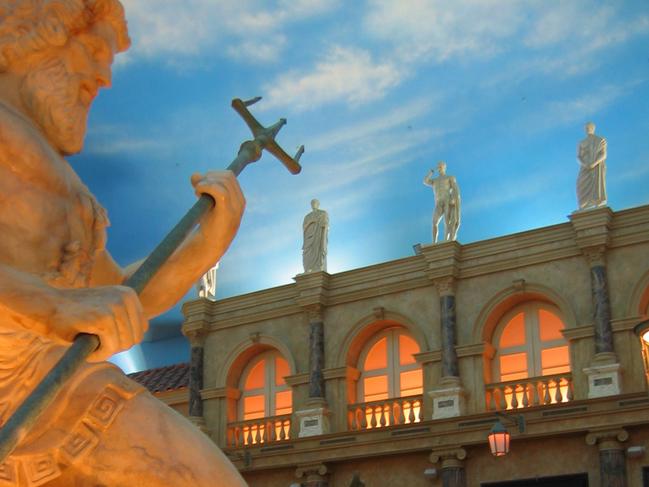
{"x":51,"y":228}
{"x":51,"y":225}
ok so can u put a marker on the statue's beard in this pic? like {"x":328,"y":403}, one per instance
{"x":51,"y":94}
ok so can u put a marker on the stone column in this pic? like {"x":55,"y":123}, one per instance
{"x":592,"y":237}
{"x":612,"y":462}
{"x":312,"y":291}
{"x":446,"y":290}
{"x":315,"y":475}
{"x":443,"y":266}
{"x":196,"y":334}
{"x":316,"y":353}
{"x":452,"y":463}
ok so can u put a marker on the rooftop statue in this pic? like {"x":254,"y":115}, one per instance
{"x":206,"y":285}
{"x":591,"y":182}
{"x":316,"y":230}
{"x":447,"y":202}
{"x":57,"y":279}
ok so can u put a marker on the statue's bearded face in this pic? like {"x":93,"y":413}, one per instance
{"x":52,"y":95}
{"x":59,"y":89}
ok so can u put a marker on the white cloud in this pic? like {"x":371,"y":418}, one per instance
{"x":576,"y":110}
{"x":246,"y":29}
{"x":402,"y":115}
{"x":345,"y":74}
{"x":439,"y":29}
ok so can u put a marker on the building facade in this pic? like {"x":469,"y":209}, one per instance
{"x":398,"y":372}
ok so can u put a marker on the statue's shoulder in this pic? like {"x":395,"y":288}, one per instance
{"x":24,"y":150}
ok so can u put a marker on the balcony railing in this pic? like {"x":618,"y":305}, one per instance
{"x":377,"y":414}
{"x":258,"y":431}
{"x":533,"y":391}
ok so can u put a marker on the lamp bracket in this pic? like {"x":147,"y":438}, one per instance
{"x":517,"y":420}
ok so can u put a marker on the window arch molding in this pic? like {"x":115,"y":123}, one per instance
{"x":368,"y":326}
{"x":244,"y":352}
{"x":638,"y":304}
{"x":502,"y":302}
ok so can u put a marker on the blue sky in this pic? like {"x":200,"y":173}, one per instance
{"x":378,"y":91}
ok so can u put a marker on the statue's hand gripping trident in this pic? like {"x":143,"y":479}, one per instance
{"x":23,"y":419}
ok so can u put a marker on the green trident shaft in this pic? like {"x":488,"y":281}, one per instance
{"x":24,"y":418}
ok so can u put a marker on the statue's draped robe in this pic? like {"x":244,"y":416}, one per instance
{"x":591,"y":183}
{"x":314,"y":250}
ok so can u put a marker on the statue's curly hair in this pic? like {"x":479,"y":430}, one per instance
{"x":28,"y":26}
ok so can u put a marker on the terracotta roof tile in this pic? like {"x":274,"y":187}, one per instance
{"x":163,"y":378}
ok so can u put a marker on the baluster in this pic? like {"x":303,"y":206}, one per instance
{"x":402,"y":416}
{"x":502,"y":398}
{"x":411,"y":413}
{"x":558,"y":394}
{"x":513,"y":402}
{"x":536,"y":396}
{"x":351,"y":420}
{"x":373,"y":417}
{"x":249,"y":437}
{"x":238,"y":435}
{"x":257,"y":434}
{"x":526,"y":398}
{"x":282,"y":431}
{"x":363,"y":412}
{"x":382,"y":418}
{"x":273,"y":431}
{"x":569,"y":392}
{"x":420,"y":411}
{"x":546,"y":395}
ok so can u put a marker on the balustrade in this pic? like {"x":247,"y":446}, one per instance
{"x":258,"y":431}
{"x":532,"y":391}
{"x":378,"y":414}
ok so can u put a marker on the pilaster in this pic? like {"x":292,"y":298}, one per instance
{"x":314,"y":475}
{"x":196,"y":333}
{"x":452,"y":468}
{"x":612,"y":462}
{"x":312,"y":289}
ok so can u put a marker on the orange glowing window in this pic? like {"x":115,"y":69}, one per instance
{"x":264,"y":390}
{"x":377,"y":357}
{"x":530,"y":343}
{"x":411,"y":382}
{"x":550,"y":326}
{"x":388,"y":367}
{"x":281,"y":371}
{"x":555,"y":360}
{"x":255,"y":378}
{"x":514,"y":333}
{"x":407,"y":349}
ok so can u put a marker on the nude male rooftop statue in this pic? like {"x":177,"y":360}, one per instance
{"x":57,"y":278}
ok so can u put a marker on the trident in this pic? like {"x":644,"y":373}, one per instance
{"x":24,"y":418}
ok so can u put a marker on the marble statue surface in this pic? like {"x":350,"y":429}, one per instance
{"x":591,"y":182}
{"x":447,"y":202}
{"x":316,"y":230}
{"x":206,"y":285}
{"x":57,"y":279}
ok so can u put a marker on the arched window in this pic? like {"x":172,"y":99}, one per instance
{"x":264,"y":391}
{"x":530,"y":344}
{"x":388,"y":370}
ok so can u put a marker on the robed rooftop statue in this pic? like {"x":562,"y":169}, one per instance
{"x":57,"y":279}
{"x":591,"y":182}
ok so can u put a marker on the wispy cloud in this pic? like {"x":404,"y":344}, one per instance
{"x":248,"y":30}
{"x":344,"y":74}
{"x":577,"y":109}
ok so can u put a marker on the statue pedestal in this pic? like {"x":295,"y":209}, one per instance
{"x":313,"y":421}
{"x":448,"y":399}
{"x":603,"y":376}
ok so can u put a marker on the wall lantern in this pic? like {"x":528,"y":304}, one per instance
{"x":499,"y":437}
{"x":642,"y":332}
